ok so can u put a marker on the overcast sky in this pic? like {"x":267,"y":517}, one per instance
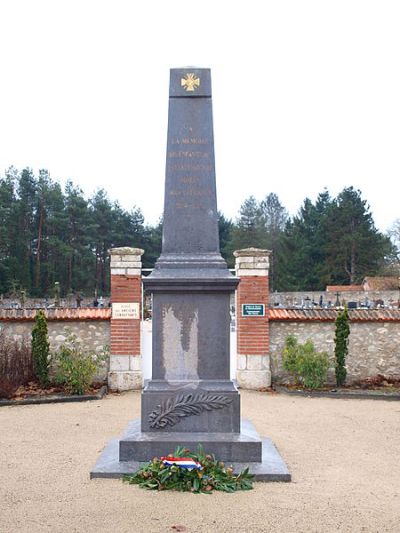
{"x":306,"y":95}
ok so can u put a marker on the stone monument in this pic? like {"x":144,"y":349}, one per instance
{"x":190,"y":399}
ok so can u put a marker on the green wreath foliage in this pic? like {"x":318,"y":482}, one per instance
{"x":214,"y":475}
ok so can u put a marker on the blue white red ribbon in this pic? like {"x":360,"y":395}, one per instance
{"x":182,"y":462}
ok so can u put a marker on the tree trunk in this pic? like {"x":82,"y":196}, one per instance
{"x":38,"y":248}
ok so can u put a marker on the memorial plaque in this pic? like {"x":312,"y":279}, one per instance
{"x":253,"y":310}
{"x":125,"y":310}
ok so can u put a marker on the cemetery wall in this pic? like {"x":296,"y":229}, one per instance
{"x":92,"y":329}
{"x":374,"y":342}
{"x":374,"y":347}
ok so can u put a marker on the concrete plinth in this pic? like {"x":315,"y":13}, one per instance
{"x":242,"y":446}
{"x":125,"y":380}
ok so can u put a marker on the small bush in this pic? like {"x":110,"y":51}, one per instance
{"x":76,"y":367}
{"x":40,"y":349}
{"x":7,"y":389}
{"x":290,"y":353}
{"x":16,"y":363}
{"x":309,"y":367}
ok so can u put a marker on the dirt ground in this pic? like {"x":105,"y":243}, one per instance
{"x":343,"y":456}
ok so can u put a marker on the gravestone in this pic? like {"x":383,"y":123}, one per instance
{"x":190,"y":399}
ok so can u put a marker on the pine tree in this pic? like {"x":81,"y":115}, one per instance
{"x":152,"y":244}
{"x":248,"y":230}
{"x":304,"y":241}
{"x":80,"y":261}
{"x":273,"y":219}
{"x":24,"y":229}
{"x":354,"y":247}
{"x":7,"y":203}
{"x":225,"y":227}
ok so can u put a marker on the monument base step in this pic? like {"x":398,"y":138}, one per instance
{"x":137,"y":445}
{"x":270,"y":468}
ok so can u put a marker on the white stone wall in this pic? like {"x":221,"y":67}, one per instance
{"x":374,"y":347}
{"x":92,"y":334}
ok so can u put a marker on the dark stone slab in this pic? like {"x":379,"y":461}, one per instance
{"x":270,"y":468}
{"x":195,"y":410}
{"x":191,"y":336}
{"x":143,"y":446}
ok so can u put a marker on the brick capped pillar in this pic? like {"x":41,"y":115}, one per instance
{"x":253,"y":362}
{"x":126,"y":296}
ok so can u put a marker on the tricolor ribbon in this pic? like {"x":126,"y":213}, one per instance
{"x":182,"y":462}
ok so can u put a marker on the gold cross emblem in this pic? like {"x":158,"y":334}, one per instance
{"x":190,"y":82}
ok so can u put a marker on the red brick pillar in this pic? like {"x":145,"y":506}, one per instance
{"x":126,"y":298}
{"x":253,"y":363}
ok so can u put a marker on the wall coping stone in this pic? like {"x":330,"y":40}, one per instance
{"x":126,"y":250}
{"x":252,"y":252}
{"x":294,"y":315}
{"x":330,"y":315}
{"x":90,"y":313}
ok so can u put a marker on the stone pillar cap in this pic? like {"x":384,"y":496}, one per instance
{"x":252,"y":252}
{"x":126,"y":250}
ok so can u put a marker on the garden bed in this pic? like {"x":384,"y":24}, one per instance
{"x":33,"y":393}
{"x":359,"y":391}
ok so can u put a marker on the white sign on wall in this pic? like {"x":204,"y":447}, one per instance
{"x":125,"y":310}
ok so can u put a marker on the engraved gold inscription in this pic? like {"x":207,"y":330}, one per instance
{"x":190,"y":140}
{"x":187,"y":167}
{"x":188,"y":153}
{"x":189,"y":82}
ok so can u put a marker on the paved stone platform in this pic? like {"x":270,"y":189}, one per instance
{"x":271,"y":468}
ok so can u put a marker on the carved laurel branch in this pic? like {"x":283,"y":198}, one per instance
{"x":170,"y":411}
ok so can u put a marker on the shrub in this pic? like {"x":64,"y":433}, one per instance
{"x":309,"y":367}
{"x":40,"y":349}
{"x":290,"y":353}
{"x":7,"y":389}
{"x":342,"y":333}
{"x":16,"y":364}
{"x":76,"y":367}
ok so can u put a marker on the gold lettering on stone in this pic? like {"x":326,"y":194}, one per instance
{"x":192,"y":140}
{"x":188,"y":153}
{"x":187,"y":167}
{"x":189,"y":179}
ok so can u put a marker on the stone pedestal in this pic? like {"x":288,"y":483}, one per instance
{"x":253,"y":362}
{"x":126,"y":296}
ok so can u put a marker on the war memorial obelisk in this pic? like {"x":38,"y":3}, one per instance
{"x":190,"y":399}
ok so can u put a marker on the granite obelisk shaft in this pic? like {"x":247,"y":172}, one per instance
{"x":190,"y":227}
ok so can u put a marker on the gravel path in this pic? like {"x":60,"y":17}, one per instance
{"x":344,"y":456}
